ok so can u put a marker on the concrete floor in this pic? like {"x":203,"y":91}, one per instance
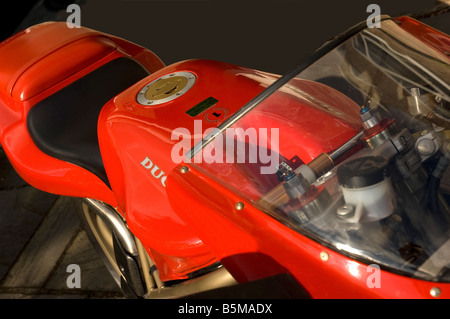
{"x":40,"y":235}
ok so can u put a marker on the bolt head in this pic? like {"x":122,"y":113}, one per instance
{"x":184,"y":169}
{"x":239,"y":205}
{"x":435,"y":292}
{"x":324,"y":256}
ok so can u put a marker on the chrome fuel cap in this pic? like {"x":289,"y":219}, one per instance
{"x":166,"y":88}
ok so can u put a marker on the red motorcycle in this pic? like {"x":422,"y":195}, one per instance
{"x":203,"y":178}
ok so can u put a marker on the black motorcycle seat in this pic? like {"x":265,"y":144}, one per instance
{"x":64,"y":125}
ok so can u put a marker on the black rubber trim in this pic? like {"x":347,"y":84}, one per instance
{"x":64,"y":125}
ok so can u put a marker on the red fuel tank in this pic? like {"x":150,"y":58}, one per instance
{"x":140,"y":132}
{"x":136,"y":141}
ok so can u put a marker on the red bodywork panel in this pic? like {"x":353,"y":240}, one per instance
{"x":252,"y":245}
{"x":136,"y":142}
{"x":36,"y":63}
{"x":130,"y":133}
{"x":186,"y":221}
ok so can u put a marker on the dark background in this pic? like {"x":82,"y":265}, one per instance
{"x":269,"y":35}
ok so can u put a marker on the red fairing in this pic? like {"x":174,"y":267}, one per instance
{"x":253,"y":245}
{"x":137,"y":142}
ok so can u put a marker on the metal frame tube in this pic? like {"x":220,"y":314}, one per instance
{"x":112,"y":218}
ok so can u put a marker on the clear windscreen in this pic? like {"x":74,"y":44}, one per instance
{"x":353,"y":152}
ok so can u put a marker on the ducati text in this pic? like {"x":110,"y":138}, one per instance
{"x":155,"y":171}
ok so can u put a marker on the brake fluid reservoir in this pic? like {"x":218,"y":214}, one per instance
{"x":366,"y":187}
